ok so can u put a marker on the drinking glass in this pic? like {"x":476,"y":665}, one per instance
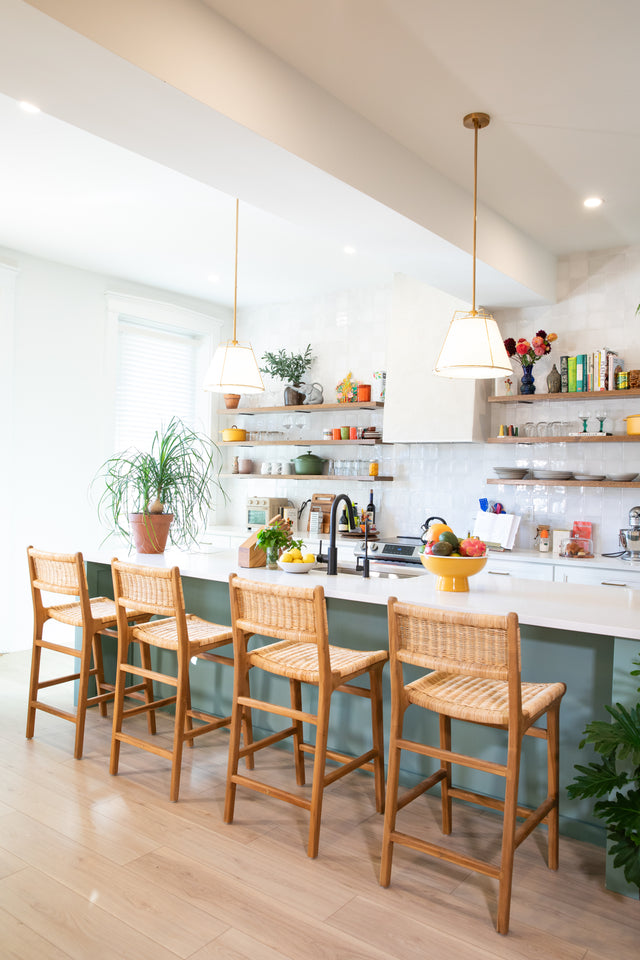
{"x":287,"y":423}
{"x":585,"y":421}
{"x":601,"y":417}
{"x":301,"y":423}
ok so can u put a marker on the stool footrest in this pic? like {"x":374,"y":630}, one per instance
{"x":144,"y":745}
{"x":271,"y":791}
{"x":209,"y":722}
{"x":266,"y":741}
{"x":145,"y":707}
{"x":443,"y":853}
{"x":421,"y":788}
{"x":55,"y":711}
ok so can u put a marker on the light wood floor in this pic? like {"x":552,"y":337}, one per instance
{"x":94,"y":866}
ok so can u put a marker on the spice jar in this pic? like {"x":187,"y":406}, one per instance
{"x":373,"y":468}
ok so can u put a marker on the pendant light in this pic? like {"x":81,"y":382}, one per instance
{"x":234,"y":368}
{"x":473,"y":348}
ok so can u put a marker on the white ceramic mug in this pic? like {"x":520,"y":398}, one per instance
{"x":265,"y":468}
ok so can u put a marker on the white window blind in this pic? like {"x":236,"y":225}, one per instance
{"x":157,"y":376}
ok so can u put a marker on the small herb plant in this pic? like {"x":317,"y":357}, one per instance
{"x":617,"y":777}
{"x":290,"y":367}
{"x":274,"y":537}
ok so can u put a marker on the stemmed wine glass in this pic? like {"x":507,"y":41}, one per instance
{"x":585,"y":421}
{"x":287,"y":423}
{"x":301,"y":422}
{"x":601,"y":417}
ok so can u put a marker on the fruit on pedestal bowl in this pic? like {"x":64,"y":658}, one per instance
{"x":453,"y":572}
{"x":472,"y":547}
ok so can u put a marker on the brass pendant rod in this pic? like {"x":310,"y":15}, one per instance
{"x":475,"y":210}
{"x":235,"y":278}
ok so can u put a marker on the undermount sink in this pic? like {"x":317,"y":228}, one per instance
{"x":378,"y":574}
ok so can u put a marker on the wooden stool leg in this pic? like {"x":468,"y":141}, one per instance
{"x":295,"y":688}
{"x":445,"y":744}
{"x":188,"y":720}
{"x":508,"y":831}
{"x":83,"y":693}
{"x":145,"y":661}
{"x":553,"y":789}
{"x":36,"y":654}
{"x":238,"y":717}
{"x":319,"y":765}
{"x":183,"y":702}
{"x":375,"y":683}
{"x":391,"y":806}
{"x":118,"y":701}
{"x":97,"y":659}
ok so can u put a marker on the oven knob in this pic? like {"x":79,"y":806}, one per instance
{"x":374,"y":547}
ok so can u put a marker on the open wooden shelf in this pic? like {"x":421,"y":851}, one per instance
{"x":583,"y":395}
{"x":565,"y":483}
{"x":298,"y":443}
{"x":600,"y":438}
{"x":305,"y":476}
{"x":305,"y":408}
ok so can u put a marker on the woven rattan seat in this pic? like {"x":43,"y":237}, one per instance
{"x":475,"y":664}
{"x":158,"y":591}
{"x":297,"y":618}
{"x":64,"y":574}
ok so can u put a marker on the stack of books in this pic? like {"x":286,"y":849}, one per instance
{"x":590,"y":371}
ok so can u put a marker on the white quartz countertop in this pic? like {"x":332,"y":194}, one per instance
{"x":606,"y":610}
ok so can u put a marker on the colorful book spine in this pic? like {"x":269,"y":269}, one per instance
{"x":580,"y":371}
{"x":572,"y":363}
{"x":564,"y":375}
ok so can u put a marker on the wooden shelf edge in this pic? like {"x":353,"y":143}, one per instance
{"x":298,"y":443}
{"x":304,"y":408}
{"x":303,"y":476}
{"x":564,"y":483}
{"x":616,"y":438}
{"x":583,"y":395}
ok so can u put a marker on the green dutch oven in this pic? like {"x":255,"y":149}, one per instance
{"x":308,"y":463}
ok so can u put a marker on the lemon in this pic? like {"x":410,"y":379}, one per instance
{"x":296,"y":554}
{"x":309,"y":558}
{"x":286,"y":558}
{"x":298,"y":560}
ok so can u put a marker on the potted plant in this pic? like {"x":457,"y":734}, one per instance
{"x":273,"y":539}
{"x":291,"y":368}
{"x":616,"y":778}
{"x":165,"y":492}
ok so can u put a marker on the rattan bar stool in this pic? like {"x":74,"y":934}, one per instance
{"x":158,"y":591}
{"x":297,"y":617}
{"x":63,"y":574}
{"x":475,"y":661}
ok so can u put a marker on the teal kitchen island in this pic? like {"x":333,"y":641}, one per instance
{"x":586,"y":636}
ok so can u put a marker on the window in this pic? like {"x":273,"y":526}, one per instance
{"x":161,"y":354}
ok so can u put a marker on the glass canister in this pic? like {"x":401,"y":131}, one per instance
{"x":373,"y":468}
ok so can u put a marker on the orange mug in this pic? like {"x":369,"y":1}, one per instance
{"x":336,"y":433}
{"x":364,"y":392}
{"x":353,"y":433}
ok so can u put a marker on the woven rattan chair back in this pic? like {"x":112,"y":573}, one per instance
{"x":155,"y":590}
{"x":471,"y":644}
{"x":61,"y":573}
{"x":282,"y":612}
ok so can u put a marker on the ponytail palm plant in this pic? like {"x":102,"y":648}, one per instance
{"x":178,"y":476}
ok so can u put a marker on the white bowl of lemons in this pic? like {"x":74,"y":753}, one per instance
{"x":295,"y":561}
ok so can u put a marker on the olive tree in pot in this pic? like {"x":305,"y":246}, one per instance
{"x":150,"y":496}
{"x":291,"y":368}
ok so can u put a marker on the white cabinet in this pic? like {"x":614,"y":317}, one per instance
{"x":615,"y":578}
{"x":520,"y":568}
{"x":420,"y":407}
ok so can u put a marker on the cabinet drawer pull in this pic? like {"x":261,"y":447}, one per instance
{"x":613,"y":583}
{"x":500,"y":573}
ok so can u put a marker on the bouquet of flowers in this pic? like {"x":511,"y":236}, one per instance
{"x":527,"y":353}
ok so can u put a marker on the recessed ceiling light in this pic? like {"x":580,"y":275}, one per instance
{"x":28,"y":107}
{"x":349,"y":250}
{"x":213,"y":278}
{"x":592,"y":202}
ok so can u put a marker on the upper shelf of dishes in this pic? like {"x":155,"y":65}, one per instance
{"x":582,"y":395}
{"x":306,"y":408}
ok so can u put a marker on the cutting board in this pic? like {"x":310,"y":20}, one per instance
{"x":321,"y":503}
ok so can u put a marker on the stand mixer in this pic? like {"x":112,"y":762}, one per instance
{"x":630,"y":536}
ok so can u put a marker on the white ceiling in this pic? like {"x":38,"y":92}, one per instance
{"x":558,"y":78}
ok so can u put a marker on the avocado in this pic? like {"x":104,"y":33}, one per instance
{"x":442,"y":549}
{"x":448,"y":536}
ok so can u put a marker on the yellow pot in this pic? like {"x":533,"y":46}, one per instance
{"x":453,"y":572}
{"x":633,"y":423}
{"x":233,"y":433}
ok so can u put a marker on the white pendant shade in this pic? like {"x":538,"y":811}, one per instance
{"x":234,"y":369}
{"x":473,"y":349}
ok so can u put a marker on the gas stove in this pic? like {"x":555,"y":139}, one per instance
{"x":400,"y":550}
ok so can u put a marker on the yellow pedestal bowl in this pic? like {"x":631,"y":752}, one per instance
{"x":453,"y":572}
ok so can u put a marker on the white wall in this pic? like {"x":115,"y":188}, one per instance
{"x":597,"y":297}
{"x":62,"y":398}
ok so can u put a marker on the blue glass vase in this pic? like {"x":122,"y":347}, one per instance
{"x":526,"y":382}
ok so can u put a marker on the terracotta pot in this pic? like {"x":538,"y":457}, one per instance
{"x":149,"y":531}
{"x":231,"y":400}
